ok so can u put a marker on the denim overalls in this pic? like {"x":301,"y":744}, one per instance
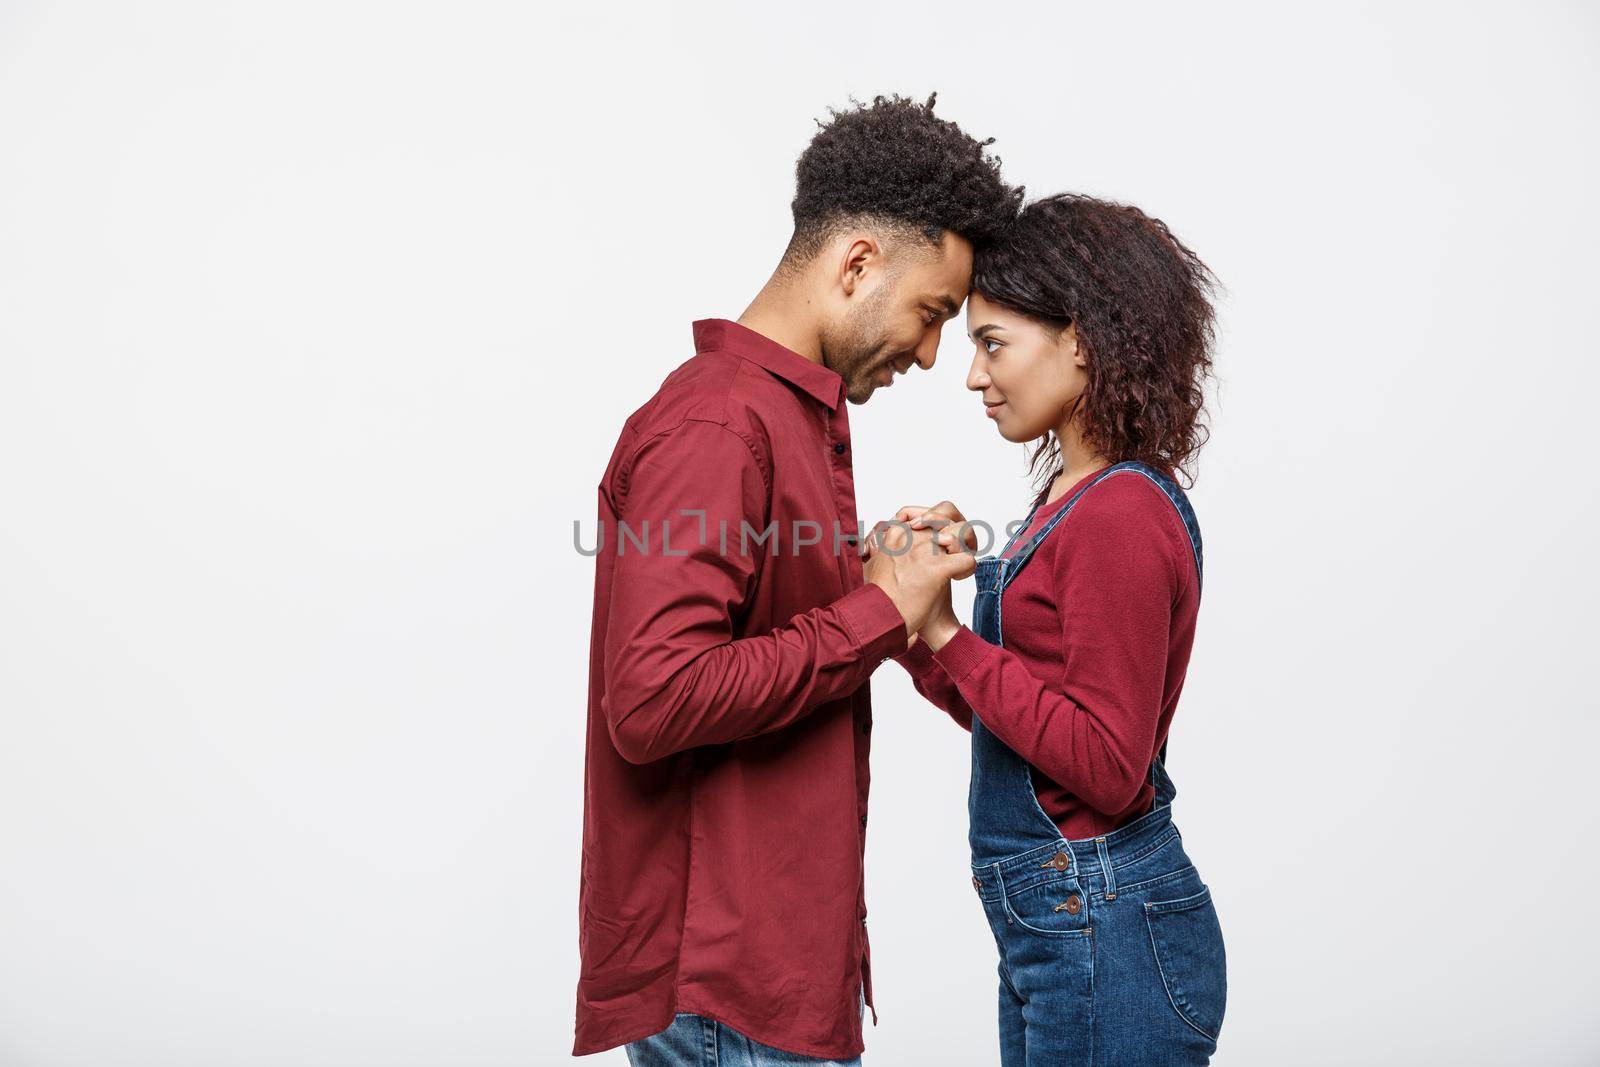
{"x":1110,"y":949}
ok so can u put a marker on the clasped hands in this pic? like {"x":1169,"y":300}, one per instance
{"x":913,"y":558}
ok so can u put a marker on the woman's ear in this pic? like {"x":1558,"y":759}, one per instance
{"x":1069,"y":345}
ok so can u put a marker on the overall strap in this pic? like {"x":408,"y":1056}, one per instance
{"x":1027,"y":522}
{"x":1026,"y":551}
{"x":1180,"y":503}
{"x":1174,"y":494}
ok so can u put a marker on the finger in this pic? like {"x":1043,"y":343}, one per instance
{"x":953,"y":540}
{"x":945,"y":512}
{"x":894,"y":537}
{"x":957,"y":566}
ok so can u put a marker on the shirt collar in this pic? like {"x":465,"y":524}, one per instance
{"x":725,"y":335}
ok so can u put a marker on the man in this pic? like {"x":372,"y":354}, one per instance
{"x":735,"y":625}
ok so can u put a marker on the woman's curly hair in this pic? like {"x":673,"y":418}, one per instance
{"x":1141,"y":303}
{"x":895,"y":161}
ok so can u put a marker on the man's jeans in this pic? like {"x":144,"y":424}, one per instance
{"x":695,"y":1041}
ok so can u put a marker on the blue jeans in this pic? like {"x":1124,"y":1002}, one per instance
{"x":1110,"y":954}
{"x":1110,"y":949}
{"x":695,"y":1041}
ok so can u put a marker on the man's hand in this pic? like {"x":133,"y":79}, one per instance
{"x":915,"y":570}
{"x":937,"y":517}
{"x":946,"y":520}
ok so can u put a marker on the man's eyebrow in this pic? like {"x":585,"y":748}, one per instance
{"x":950,"y":305}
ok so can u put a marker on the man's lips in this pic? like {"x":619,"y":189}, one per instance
{"x":886,"y":373}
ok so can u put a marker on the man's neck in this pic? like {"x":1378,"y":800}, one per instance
{"x":782,"y":314}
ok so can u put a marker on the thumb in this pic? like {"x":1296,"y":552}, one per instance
{"x":956,"y":565}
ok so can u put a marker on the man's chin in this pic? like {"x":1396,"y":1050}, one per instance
{"x":858,"y":391}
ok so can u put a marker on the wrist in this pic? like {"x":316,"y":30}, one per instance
{"x":937,"y":632}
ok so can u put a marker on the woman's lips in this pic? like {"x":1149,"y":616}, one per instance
{"x":993,"y":410}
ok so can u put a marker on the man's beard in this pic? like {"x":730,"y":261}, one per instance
{"x":857,"y":350}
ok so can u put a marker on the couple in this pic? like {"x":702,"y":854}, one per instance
{"x":721,"y":913}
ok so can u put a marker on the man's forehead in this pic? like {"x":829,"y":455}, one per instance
{"x":947,"y":274}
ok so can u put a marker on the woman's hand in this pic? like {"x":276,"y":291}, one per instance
{"x":942,"y":623}
{"x":946,"y":520}
{"x":915,"y":569}
{"x":937,"y":517}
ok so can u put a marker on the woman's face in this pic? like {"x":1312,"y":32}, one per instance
{"x":1028,"y":380}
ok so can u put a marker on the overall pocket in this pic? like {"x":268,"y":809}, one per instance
{"x":1053,"y":908}
{"x":1187,"y":941}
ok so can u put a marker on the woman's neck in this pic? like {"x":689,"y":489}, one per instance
{"x":1078,"y":460}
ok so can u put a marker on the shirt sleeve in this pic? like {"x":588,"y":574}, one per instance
{"x":676,"y":677}
{"x":1116,"y":578}
{"x":930,"y":679}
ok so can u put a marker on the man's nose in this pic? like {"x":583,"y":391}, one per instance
{"x":928,"y":350}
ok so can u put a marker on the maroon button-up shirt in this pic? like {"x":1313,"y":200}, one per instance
{"x":725,"y":781}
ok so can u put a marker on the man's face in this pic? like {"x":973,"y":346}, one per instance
{"x":897,"y":323}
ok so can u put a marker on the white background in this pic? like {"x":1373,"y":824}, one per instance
{"x":317,"y":325}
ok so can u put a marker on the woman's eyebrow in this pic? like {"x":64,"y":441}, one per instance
{"x":981,"y":330}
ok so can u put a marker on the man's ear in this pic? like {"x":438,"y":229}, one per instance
{"x":861,"y":253}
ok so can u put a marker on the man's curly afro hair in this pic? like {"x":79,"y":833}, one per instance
{"x":895,"y":162}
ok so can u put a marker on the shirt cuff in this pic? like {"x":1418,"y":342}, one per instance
{"x":963,"y":652}
{"x":918,"y":659}
{"x":877,"y":624}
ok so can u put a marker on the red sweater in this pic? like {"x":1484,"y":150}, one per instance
{"x":1098,"y":628}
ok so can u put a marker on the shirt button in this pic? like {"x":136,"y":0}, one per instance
{"x":838,"y":449}
{"x":863,"y":820}
{"x":866,"y":727}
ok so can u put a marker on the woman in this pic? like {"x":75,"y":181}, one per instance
{"x":1093,"y":334}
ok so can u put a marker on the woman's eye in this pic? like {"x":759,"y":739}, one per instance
{"x":987,"y":343}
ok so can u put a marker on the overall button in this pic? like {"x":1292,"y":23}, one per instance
{"x":977,"y":884}
{"x":1072,"y":905}
{"x":1059,"y":861}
